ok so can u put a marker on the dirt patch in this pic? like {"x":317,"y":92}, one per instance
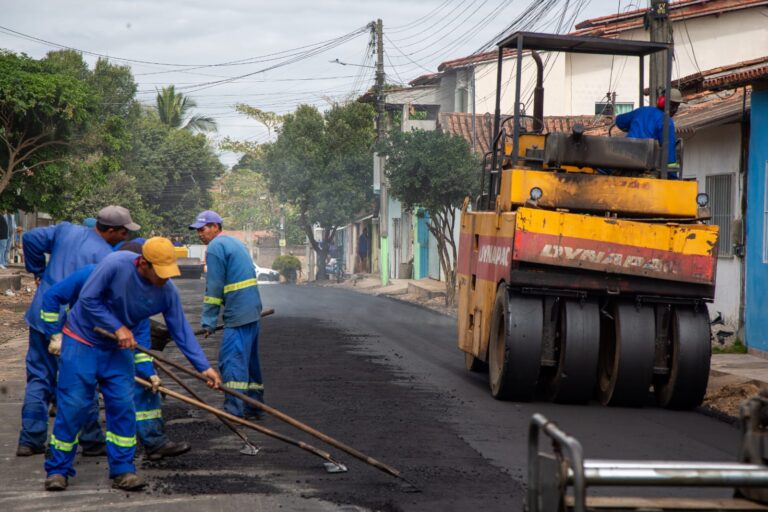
{"x":727,"y":399}
{"x":218,"y":483}
{"x":13,"y":304}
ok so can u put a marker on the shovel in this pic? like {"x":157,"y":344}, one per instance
{"x":330,"y":462}
{"x":248,"y":448}
{"x":280,"y":415}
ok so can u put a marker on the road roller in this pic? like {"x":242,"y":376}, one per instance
{"x":585,"y":263}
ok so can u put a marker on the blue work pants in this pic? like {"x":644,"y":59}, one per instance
{"x":42,"y":368}
{"x":150,"y":426}
{"x":240,"y":367}
{"x":81,"y":368}
{"x":4,"y":244}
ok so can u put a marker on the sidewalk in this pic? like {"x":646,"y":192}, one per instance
{"x":733,"y":377}
{"x":426,"y":292}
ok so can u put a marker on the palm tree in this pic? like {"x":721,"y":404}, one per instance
{"x":173,"y":107}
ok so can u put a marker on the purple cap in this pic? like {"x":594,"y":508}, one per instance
{"x":206,"y":217}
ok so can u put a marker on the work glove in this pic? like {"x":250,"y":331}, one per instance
{"x":54,"y":345}
{"x":156,"y":382}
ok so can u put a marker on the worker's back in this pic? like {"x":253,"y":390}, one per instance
{"x":231,"y":267}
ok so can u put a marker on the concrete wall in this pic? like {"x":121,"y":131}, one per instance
{"x":716,"y":151}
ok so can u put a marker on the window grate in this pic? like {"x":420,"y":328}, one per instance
{"x":719,"y":187}
{"x":606,"y":109}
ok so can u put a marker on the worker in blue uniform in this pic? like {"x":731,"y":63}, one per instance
{"x":648,"y":123}
{"x":150,"y":427}
{"x":69,"y":247}
{"x":231,"y":283}
{"x":123,"y":290}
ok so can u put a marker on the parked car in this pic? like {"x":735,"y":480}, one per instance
{"x":266,"y":275}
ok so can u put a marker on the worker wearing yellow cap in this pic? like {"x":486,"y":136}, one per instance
{"x":123,"y":290}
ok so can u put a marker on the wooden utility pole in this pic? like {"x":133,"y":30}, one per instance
{"x":383,"y":196}
{"x":657,"y":21}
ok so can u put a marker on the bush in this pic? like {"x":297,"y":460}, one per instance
{"x":288,"y":266}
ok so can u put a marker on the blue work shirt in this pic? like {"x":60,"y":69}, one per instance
{"x":66,"y":292}
{"x":115,"y":295}
{"x":230,"y":282}
{"x":71,"y":247}
{"x":62,"y":294}
{"x":648,"y":123}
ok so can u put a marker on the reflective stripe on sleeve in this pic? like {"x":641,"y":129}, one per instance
{"x":124,"y":442}
{"x":255,"y":386}
{"x":49,"y":317}
{"x":234,"y":384}
{"x":149,"y":415}
{"x":213,"y":300}
{"x":141,"y":357}
{"x":63,"y":445}
{"x":239,"y":286}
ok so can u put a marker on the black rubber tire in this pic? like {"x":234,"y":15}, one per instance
{"x":575,"y":376}
{"x":514,"y":350}
{"x":689,"y":359}
{"x":626,"y":355}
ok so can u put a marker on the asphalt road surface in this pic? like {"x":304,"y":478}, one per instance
{"x":386,"y":378}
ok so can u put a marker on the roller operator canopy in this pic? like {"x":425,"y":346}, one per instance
{"x":582,"y":44}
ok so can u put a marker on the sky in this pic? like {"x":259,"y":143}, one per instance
{"x":219,"y":52}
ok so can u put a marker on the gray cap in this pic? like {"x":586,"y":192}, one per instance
{"x":117,"y":216}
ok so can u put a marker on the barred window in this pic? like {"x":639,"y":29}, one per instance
{"x":719,"y":187}
{"x":606,"y":109}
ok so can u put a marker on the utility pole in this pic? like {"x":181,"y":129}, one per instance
{"x":282,"y":242}
{"x":383,"y":196}
{"x":657,"y":21}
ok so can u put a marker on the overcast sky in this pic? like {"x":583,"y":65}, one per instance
{"x":177,"y":35}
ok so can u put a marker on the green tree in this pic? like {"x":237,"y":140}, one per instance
{"x":321,"y":164}
{"x":41,"y":112}
{"x":93,"y":166}
{"x":174,"y":171}
{"x":174,"y":111}
{"x":269,"y":120}
{"x":434,"y":170}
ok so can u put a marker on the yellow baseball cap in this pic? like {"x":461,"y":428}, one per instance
{"x":160,"y":253}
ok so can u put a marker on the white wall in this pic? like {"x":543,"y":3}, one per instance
{"x":574,"y":83}
{"x":716,"y":151}
{"x":718,"y":40}
{"x":554,"y":86}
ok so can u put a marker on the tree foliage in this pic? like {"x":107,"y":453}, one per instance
{"x":174,"y":110}
{"x":42,"y":111}
{"x":242,"y":196}
{"x":434,"y":170}
{"x":269,"y":120}
{"x":321,"y":164}
{"x":174,"y":171}
{"x":93,"y":165}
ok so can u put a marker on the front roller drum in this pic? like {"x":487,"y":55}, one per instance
{"x":689,"y":355}
{"x":514,"y":353}
{"x":626,"y":354}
